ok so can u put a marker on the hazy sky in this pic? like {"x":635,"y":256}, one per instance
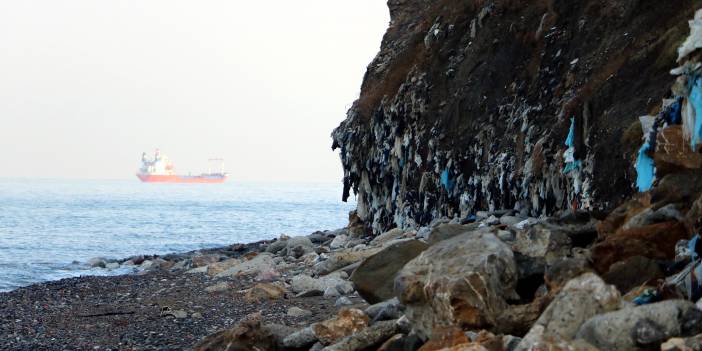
{"x":87,"y":85}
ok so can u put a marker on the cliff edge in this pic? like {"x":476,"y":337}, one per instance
{"x":487,"y":105}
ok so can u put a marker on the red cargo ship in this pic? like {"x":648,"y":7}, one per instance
{"x":160,"y":170}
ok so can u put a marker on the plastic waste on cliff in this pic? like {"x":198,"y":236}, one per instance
{"x":694,"y":40}
{"x":645,"y":169}
{"x":571,"y":164}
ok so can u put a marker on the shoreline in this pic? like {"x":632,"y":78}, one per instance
{"x":171,"y":302}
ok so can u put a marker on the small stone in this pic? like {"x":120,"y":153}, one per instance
{"x":298,"y":312}
{"x":331,"y":292}
{"x":219,"y":287}
{"x":196,"y":315}
{"x":343,"y":301}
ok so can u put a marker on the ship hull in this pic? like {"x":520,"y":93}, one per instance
{"x":153,"y":178}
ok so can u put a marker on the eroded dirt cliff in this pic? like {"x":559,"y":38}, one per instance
{"x":528,"y":105}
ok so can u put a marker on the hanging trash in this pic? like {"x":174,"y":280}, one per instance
{"x":693,"y":118}
{"x":645,"y":169}
{"x":571,"y":164}
{"x":446,"y":180}
{"x":688,"y":282}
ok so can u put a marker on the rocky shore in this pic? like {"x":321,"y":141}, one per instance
{"x":527,"y":177}
{"x":499,"y":281}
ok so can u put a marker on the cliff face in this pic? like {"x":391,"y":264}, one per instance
{"x":527,"y":105}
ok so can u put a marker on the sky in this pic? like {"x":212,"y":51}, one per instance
{"x":87,"y":85}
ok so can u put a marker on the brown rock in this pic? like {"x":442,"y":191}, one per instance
{"x":264,"y":291}
{"x":464,"y":281}
{"x":248,"y":334}
{"x":219,"y":267}
{"x":655,"y":241}
{"x":204,"y":260}
{"x":623,"y":213}
{"x":633,"y":272}
{"x":347,"y":322}
{"x":445,"y":337}
{"x":673,"y":152}
{"x":374,"y":277}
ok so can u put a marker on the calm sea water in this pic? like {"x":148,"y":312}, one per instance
{"x":46,"y":225}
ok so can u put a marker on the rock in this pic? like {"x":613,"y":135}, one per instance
{"x":443,"y":338}
{"x":112,"y":265}
{"x":506,"y":235}
{"x":633,"y":272}
{"x":446,"y":231}
{"x":302,"y":282}
{"x":301,"y":338}
{"x":673,"y":152}
{"x":196,"y":315}
{"x":248,"y":334}
{"x":277,"y":246}
{"x":197,"y":270}
{"x":331,"y":292}
{"x":204,"y":260}
{"x":181,"y":265}
{"x":374,"y":277}
{"x":541,"y":242}
{"x":464,"y":280}
{"x":579,"y":300}
{"x":179,"y":314}
{"x":219,"y":287}
{"x":563,"y":270}
{"x":298,"y":312}
{"x":264,"y":291}
{"x":645,"y":326}
{"x":218,"y":267}
{"x":341,"y":259}
{"x":254,"y":266}
{"x":347,"y":322}
{"x":366,"y":338}
{"x":343,"y":301}
{"x":510,"y":220}
{"x":401,"y":342}
{"x":339,"y":242}
{"x":135,"y":260}
{"x":298,"y":246}
{"x":321,"y":237}
{"x":99,"y":262}
{"x":655,"y":241}
{"x":392,"y":234}
{"x":278,"y":332}
{"x":693,"y":343}
{"x":652,"y":216}
{"x":310,"y":293}
{"x":390,"y":309}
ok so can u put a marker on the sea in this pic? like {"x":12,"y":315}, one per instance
{"x":50,"y":228}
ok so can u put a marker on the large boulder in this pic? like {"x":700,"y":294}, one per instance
{"x":374,"y":277}
{"x":655,"y":241}
{"x":464,"y":281}
{"x":447,"y":231}
{"x":642,"y":327}
{"x":579,"y":300}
